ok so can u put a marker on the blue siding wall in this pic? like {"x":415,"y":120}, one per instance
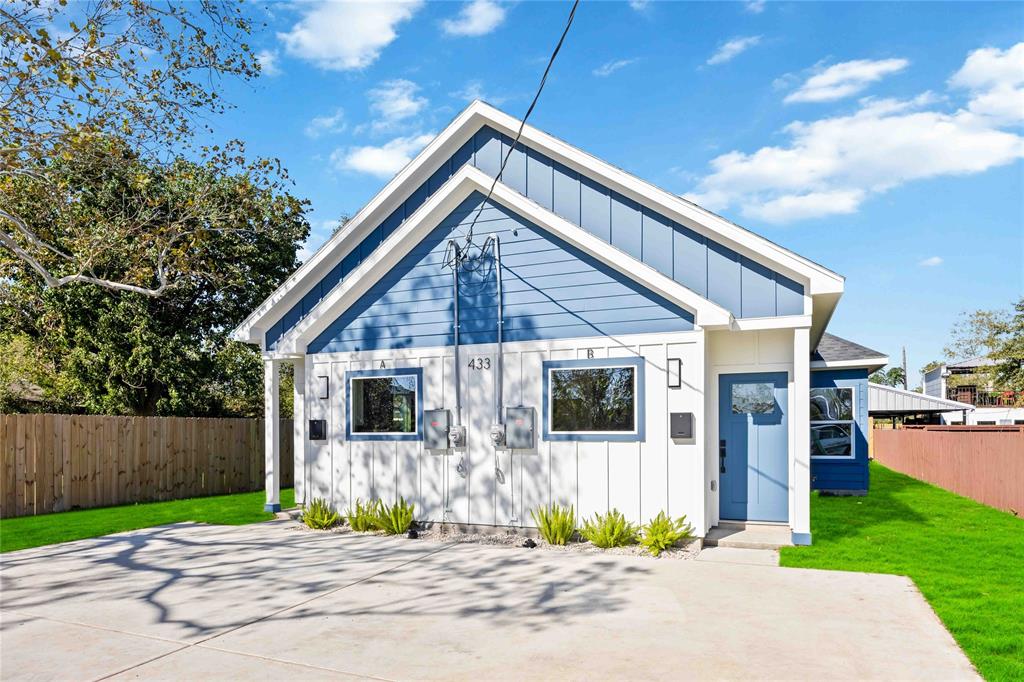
{"x":845,"y":474}
{"x":551,"y":290}
{"x":713,"y":271}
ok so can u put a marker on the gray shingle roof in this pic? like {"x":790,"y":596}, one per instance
{"x":834,"y":348}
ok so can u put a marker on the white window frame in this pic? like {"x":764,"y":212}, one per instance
{"x":852,"y":421}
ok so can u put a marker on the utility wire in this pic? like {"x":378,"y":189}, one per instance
{"x":522,"y":124}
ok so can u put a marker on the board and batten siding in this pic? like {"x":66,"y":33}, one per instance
{"x":845,"y":474}
{"x":737,"y":283}
{"x":500,"y":487}
{"x":551,"y":290}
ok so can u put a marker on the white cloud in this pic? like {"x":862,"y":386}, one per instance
{"x":474,"y":89}
{"x":343,"y":36}
{"x":732,"y":49}
{"x":931,"y":262}
{"x":995,"y":78}
{"x":754,"y":6}
{"x":476,"y":18}
{"x":830,"y":166}
{"x":639,"y":5}
{"x":608,"y":68}
{"x":268,"y":63}
{"x":325,"y":125}
{"x":383,"y":161}
{"x":395,"y":101}
{"x":845,"y":79}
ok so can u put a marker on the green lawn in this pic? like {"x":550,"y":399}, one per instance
{"x":47,"y":529}
{"x":967,"y":559}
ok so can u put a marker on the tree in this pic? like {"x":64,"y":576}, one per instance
{"x":111,"y":351}
{"x":891,"y":377}
{"x":997,"y":335}
{"x":73,"y":78}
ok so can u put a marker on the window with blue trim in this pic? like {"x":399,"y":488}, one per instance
{"x":384,"y":404}
{"x":594,"y":400}
{"x":832,"y":422}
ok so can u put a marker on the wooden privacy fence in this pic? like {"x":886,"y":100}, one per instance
{"x":55,"y":462}
{"x":985,"y":463}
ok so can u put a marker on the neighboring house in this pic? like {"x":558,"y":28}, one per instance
{"x":962,"y":382}
{"x":604,"y":344}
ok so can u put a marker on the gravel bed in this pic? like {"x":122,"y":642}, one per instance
{"x":689,"y":550}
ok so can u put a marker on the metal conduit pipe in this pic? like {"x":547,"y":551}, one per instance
{"x":501,"y":323}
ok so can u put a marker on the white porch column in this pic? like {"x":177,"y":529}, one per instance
{"x":299,"y":430}
{"x":801,"y":517}
{"x":272,"y":433}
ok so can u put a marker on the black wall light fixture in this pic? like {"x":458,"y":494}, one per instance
{"x":675,"y":373}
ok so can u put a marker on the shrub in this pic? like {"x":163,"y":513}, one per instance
{"x":663,"y":532}
{"x":364,"y":517}
{"x":318,"y":515}
{"x":610,"y":530}
{"x":556,"y":523}
{"x":395,"y":519}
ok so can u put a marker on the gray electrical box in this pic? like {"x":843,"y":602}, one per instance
{"x":519,"y":430}
{"x":680,"y":424}
{"x":435,"y":429}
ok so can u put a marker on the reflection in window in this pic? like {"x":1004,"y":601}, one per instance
{"x":384,"y":404}
{"x":599,"y":399}
{"x":832,"y":423}
{"x":756,"y":398}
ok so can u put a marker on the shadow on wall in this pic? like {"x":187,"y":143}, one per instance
{"x":201,"y":581}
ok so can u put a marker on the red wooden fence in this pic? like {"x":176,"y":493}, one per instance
{"x":985,"y":463}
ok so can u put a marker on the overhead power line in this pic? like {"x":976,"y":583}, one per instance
{"x":522,"y":124}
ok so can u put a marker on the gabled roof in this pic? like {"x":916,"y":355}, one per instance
{"x":835,"y":351}
{"x":824,"y":286}
{"x":428,"y":216}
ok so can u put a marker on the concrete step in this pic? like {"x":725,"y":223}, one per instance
{"x":749,"y":535}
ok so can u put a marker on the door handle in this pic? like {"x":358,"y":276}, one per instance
{"x":721,"y":456}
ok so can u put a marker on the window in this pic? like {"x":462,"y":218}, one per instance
{"x":754,"y":398}
{"x":594,"y":400}
{"x":384,"y":404}
{"x":832,"y":423}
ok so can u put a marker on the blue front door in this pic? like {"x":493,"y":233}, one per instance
{"x":753,"y":447}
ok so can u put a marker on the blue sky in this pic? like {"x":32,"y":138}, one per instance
{"x":883,"y":140}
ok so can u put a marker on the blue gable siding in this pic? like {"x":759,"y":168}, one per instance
{"x":714,"y":271}
{"x":845,"y":474}
{"x":551,"y":290}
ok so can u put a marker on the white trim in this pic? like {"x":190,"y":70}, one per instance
{"x":852,"y":421}
{"x":436,"y":209}
{"x":780,"y":322}
{"x":610,"y":365}
{"x":817,"y":279}
{"x":867,"y":363}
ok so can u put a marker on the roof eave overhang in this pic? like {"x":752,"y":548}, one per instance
{"x":871,"y":364}
{"x":819,"y":282}
{"x":447,"y":198}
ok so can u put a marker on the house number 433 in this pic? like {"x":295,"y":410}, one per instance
{"x":479,"y":363}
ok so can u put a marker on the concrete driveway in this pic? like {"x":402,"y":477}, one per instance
{"x":270,"y":602}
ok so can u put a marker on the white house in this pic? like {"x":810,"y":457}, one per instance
{"x":992,"y":406}
{"x":579,"y":337}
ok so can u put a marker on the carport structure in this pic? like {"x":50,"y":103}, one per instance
{"x":917,"y":408}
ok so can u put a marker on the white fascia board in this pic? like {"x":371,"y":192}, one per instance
{"x":780,"y":322}
{"x":359,"y":226}
{"x":871,"y":363}
{"x":819,"y":278}
{"x":437,"y":208}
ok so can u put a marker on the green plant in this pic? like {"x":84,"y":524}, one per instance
{"x":555,"y":523}
{"x":396,"y":518}
{"x":364,"y":517}
{"x":318,"y":515}
{"x":662,"y":532}
{"x":609,"y":530}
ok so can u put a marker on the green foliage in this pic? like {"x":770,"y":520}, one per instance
{"x":967,"y":559}
{"x":662,"y":532}
{"x":887,"y":377}
{"x":395,"y":519}
{"x":556,"y":523}
{"x":318,"y":515}
{"x":364,"y":517}
{"x":101,"y":351}
{"x":610,"y":530}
